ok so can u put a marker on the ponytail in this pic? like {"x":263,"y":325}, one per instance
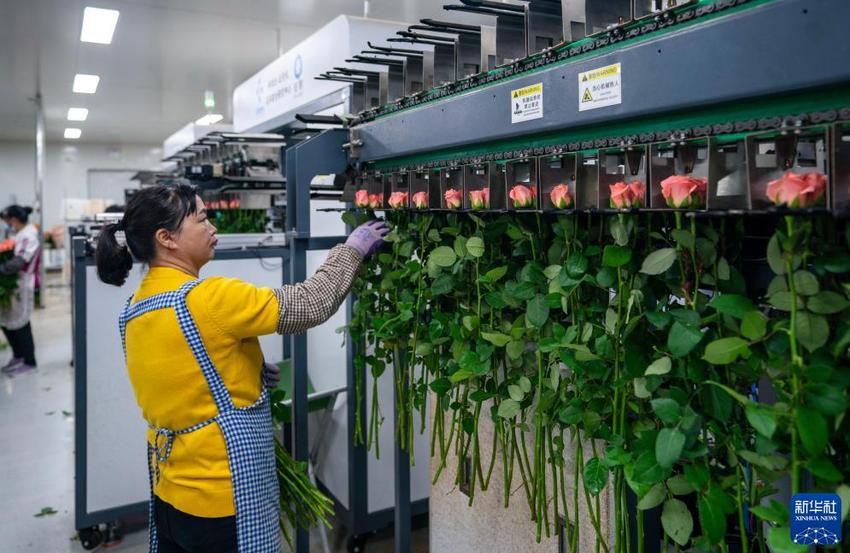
{"x":112,"y":259}
{"x":150,"y":209}
{"x":18,"y":212}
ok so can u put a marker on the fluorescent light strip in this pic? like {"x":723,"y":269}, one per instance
{"x":99,"y":25}
{"x":78,"y":114}
{"x":73,"y":134}
{"x":85,"y":84}
{"x":209,"y":119}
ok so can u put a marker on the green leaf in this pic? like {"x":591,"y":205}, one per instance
{"x":827,"y":399}
{"x":537,"y":312}
{"x":726,"y":350}
{"x":658,"y":261}
{"x":683,"y":339}
{"x":811,"y":427}
{"x":775,"y":512}
{"x":677,"y":521}
{"x":552,"y":271}
{"x":824,"y":469}
{"x":576,"y":265}
{"x":508,"y":408}
{"x":843,"y":492}
{"x":659,"y":366}
{"x":641,"y":392}
{"x":658,"y":319}
{"x":45,"y":511}
{"x":653,"y":498}
{"x":806,"y":283}
{"x":515,"y":392}
{"x":494,"y":275}
{"x":619,"y":233}
{"x":496,"y":338}
{"x":684,"y":238}
{"x":443,"y":256}
{"x":524,"y":384}
{"x":595,"y":476}
{"x":723,"y":271}
{"x":779,"y":540}
{"x":711,"y":518}
{"x":762,"y":418}
{"x":732,"y":304}
{"x":697,"y":476}
{"x":740,"y":398}
{"x":606,"y":277}
{"x":515,"y":349}
{"x":679,"y":485}
{"x":827,"y":303}
{"x":616,"y":256}
{"x":475,"y":247}
{"x":783,"y":300}
{"x":668,"y":446}
{"x":812,"y":330}
{"x":754,"y":325}
{"x":668,"y":410}
{"x":774,"y":256}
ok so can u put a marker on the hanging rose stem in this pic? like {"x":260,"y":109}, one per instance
{"x":796,"y":361}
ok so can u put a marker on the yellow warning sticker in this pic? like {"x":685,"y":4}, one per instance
{"x":600,"y":87}
{"x":527,"y":103}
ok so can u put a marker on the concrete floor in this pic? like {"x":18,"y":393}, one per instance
{"x":37,"y":453}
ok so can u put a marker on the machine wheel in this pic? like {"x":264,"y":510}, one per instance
{"x":356,"y":544}
{"x":90,"y":538}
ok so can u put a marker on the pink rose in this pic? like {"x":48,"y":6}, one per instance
{"x":682,"y":191}
{"x":420,"y":200}
{"x":796,"y":190}
{"x":625,"y":196}
{"x":522,"y":196}
{"x":361,"y":198}
{"x":480,"y":199}
{"x":561,"y":197}
{"x":398,"y":200}
{"x":453,"y":198}
{"x":375,"y":201}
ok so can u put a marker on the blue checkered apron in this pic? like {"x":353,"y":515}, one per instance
{"x":248,"y":435}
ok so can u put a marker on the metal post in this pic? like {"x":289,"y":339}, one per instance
{"x":402,"y":477}
{"x":38,"y":206}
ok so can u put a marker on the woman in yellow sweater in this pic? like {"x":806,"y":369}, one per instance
{"x":197,"y":370}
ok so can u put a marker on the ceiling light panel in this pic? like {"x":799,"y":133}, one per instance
{"x":98,"y":25}
{"x":73,"y":134}
{"x":85,"y":84}
{"x":78,"y":114}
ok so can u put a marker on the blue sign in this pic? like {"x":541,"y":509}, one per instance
{"x":816,"y":519}
{"x":299,"y":66}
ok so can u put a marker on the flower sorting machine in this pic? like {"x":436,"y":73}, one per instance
{"x":616,"y":283}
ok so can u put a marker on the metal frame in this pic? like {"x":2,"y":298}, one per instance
{"x":81,"y":259}
{"x":659,"y":74}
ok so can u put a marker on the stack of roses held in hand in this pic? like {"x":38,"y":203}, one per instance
{"x":480,"y":199}
{"x":797,"y":191}
{"x":561,"y":197}
{"x":523,"y":196}
{"x":398,"y":200}
{"x":420,"y":200}
{"x":684,"y":191}
{"x":625,"y":196}
{"x":453,"y":198}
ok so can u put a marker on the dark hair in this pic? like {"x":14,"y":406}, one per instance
{"x":18,"y":212}
{"x":150,"y":209}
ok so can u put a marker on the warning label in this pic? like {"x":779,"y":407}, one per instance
{"x":527,"y":103}
{"x":600,"y":87}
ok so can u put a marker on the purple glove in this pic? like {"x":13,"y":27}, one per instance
{"x":271,"y":375}
{"x":368,"y":237}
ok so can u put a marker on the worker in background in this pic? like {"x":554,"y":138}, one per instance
{"x":198,"y":373}
{"x":15,"y":317}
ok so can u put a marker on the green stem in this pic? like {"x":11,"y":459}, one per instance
{"x":796,"y":363}
{"x":745,"y":547}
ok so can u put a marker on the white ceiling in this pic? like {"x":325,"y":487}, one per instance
{"x":164,"y":55}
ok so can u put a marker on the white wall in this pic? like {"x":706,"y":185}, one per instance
{"x":66,"y":168}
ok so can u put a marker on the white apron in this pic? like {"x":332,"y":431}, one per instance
{"x":27,"y":247}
